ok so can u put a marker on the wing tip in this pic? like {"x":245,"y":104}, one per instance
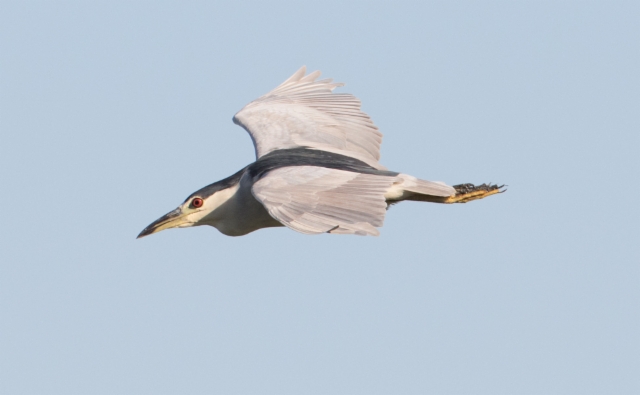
{"x":299,"y":77}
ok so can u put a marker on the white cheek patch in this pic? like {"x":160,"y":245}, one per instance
{"x":212,"y":203}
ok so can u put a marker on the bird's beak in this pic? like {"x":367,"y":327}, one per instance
{"x":172,"y":219}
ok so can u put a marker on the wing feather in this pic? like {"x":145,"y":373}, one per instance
{"x":303,"y":112}
{"x":315,"y":200}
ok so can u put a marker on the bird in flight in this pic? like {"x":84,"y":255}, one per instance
{"x":317,"y":170}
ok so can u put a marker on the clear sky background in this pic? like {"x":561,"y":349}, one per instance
{"x":111,"y":114}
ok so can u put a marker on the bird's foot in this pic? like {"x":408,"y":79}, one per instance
{"x":468,"y":192}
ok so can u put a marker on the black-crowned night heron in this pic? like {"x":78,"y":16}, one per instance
{"x":316,"y":170}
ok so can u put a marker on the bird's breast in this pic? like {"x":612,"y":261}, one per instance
{"x":241,"y":213}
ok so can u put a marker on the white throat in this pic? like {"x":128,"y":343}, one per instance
{"x":235,"y":211}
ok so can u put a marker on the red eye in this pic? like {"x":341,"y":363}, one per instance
{"x":197,"y":202}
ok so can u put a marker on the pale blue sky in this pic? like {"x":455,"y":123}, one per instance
{"x":112,"y":113}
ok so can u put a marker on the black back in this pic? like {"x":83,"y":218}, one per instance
{"x":311,"y":157}
{"x":293,"y":157}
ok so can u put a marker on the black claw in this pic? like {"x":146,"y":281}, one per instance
{"x":462,"y":189}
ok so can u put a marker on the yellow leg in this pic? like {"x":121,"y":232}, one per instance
{"x":469,"y":192}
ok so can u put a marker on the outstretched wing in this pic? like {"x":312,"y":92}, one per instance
{"x":315,"y":200}
{"x":303,"y":112}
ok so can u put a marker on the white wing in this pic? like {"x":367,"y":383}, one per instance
{"x":303,"y":112}
{"x":315,"y":200}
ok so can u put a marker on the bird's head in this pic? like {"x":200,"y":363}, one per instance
{"x":186,"y":215}
{"x":198,"y":208}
